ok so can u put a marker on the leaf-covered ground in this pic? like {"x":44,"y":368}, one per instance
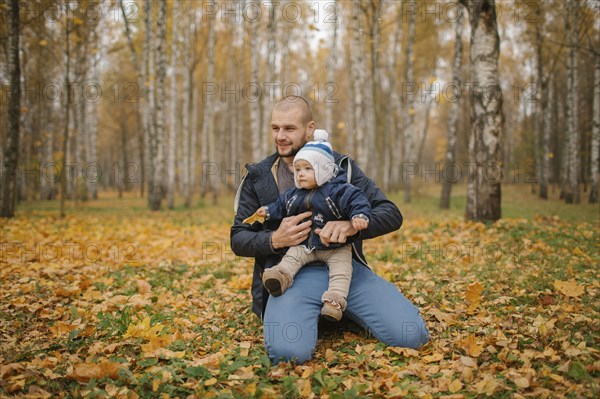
{"x":139,"y":304}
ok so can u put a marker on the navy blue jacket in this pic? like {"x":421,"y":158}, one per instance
{"x":334,"y":200}
{"x":259,"y":188}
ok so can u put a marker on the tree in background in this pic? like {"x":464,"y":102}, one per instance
{"x":483,"y":187}
{"x":8,"y":177}
{"x":572,"y":187}
{"x":451,"y":135}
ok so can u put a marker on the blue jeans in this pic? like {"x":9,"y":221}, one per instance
{"x":290,"y":320}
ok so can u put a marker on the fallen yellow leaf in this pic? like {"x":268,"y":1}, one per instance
{"x":470,"y":346}
{"x":569,"y":288}
{"x":455,"y":386}
{"x":473,"y":295}
{"x":143,"y":330}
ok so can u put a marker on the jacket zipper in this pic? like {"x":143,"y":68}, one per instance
{"x":307,"y":204}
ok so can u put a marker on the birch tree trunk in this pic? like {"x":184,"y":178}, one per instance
{"x":187,"y":110}
{"x":484,"y":185}
{"x":331,"y":70}
{"x":173,"y":102}
{"x":391,"y":160}
{"x":63,"y":169}
{"x":148,"y":49}
{"x":208,"y":139}
{"x":255,"y":124}
{"x":394,"y":153}
{"x":359,"y":77}
{"x":11,"y":158}
{"x":572,"y":194}
{"x":142,"y":105}
{"x":372,"y":83}
{"x":158,"y":147}
{"x":547,"y":125}
{"x":595,"y":151}
{"x":408,"y":158}
{"x":92,"y":129}
{"x":451,"y":133}
{"x":268,"y":89}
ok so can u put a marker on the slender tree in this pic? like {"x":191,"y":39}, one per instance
{"x":408,"y":157}
{"x":158,"y":133}
{"x":173,"y":102}
{"x":255,"y":123}
{"x":392,"y":136}
{"x":595,"y":150}
{"x":208,"y":139}
{"x":331,"y":69}
{"x":451,"y":132}
{"x":572,"y":195}
{"x":484,"y":184}
{"x":359,"y":77}
{"x":67,"y":112}
{"x":11,"y":157}
{"x":268,"y":89}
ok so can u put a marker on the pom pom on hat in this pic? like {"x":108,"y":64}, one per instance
{"x":320,"y":135}
{"x":319,"y":155}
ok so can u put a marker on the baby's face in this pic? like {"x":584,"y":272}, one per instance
{"x":305,"y":174}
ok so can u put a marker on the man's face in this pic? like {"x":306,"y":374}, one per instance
{"x":288,"y":131}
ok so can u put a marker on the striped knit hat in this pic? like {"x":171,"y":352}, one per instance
{"x":319,"y":155}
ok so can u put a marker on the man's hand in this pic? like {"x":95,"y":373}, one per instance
{"x":291,"y":231}
{"x":262,"y":212}
{"x":359,"y":223}
{"x":336,"y":232}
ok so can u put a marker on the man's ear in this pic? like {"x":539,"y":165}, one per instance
{"x":310,"y":130}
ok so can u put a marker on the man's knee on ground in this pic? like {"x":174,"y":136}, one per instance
{"x":283,"y":352}
{"x":410,"y":334}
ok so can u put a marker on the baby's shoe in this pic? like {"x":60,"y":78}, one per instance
{"x":334,"y":305}
{"x":276,"y":281}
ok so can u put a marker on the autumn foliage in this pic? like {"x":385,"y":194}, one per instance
{"x":158,"y":306}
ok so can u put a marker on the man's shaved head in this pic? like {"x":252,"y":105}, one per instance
{"x":295,"y":102}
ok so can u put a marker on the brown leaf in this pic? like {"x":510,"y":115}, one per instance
{"x":143,"y":287}
{"x":83,"y":372}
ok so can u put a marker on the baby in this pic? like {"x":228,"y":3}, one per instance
{"x":321,"y":187}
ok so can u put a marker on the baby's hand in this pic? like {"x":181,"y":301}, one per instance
{"x":360,"y":223}
{"x":261,"y":212}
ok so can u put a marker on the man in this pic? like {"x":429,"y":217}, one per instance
{"x":290,"y":320}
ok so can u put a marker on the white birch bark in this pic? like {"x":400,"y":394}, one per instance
{"x":186,"y":108}
{"x":161,"y":95}
{"x":331,"y":69}
{"x":358,"y":78}
{"x":173,"y":106}
{"x":408,"y":161}
{"x":483,"y":188}
{"x":372,"y":83}
{"x":255,"y":124}
{"x":141,"y":106}
{"x":451,"y":132}
{"x":208,"y":140}
{"x":572,"y":195}
{"x":91,"y":129}
{"x":269,"y":88}
{"x":393,"y":156}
